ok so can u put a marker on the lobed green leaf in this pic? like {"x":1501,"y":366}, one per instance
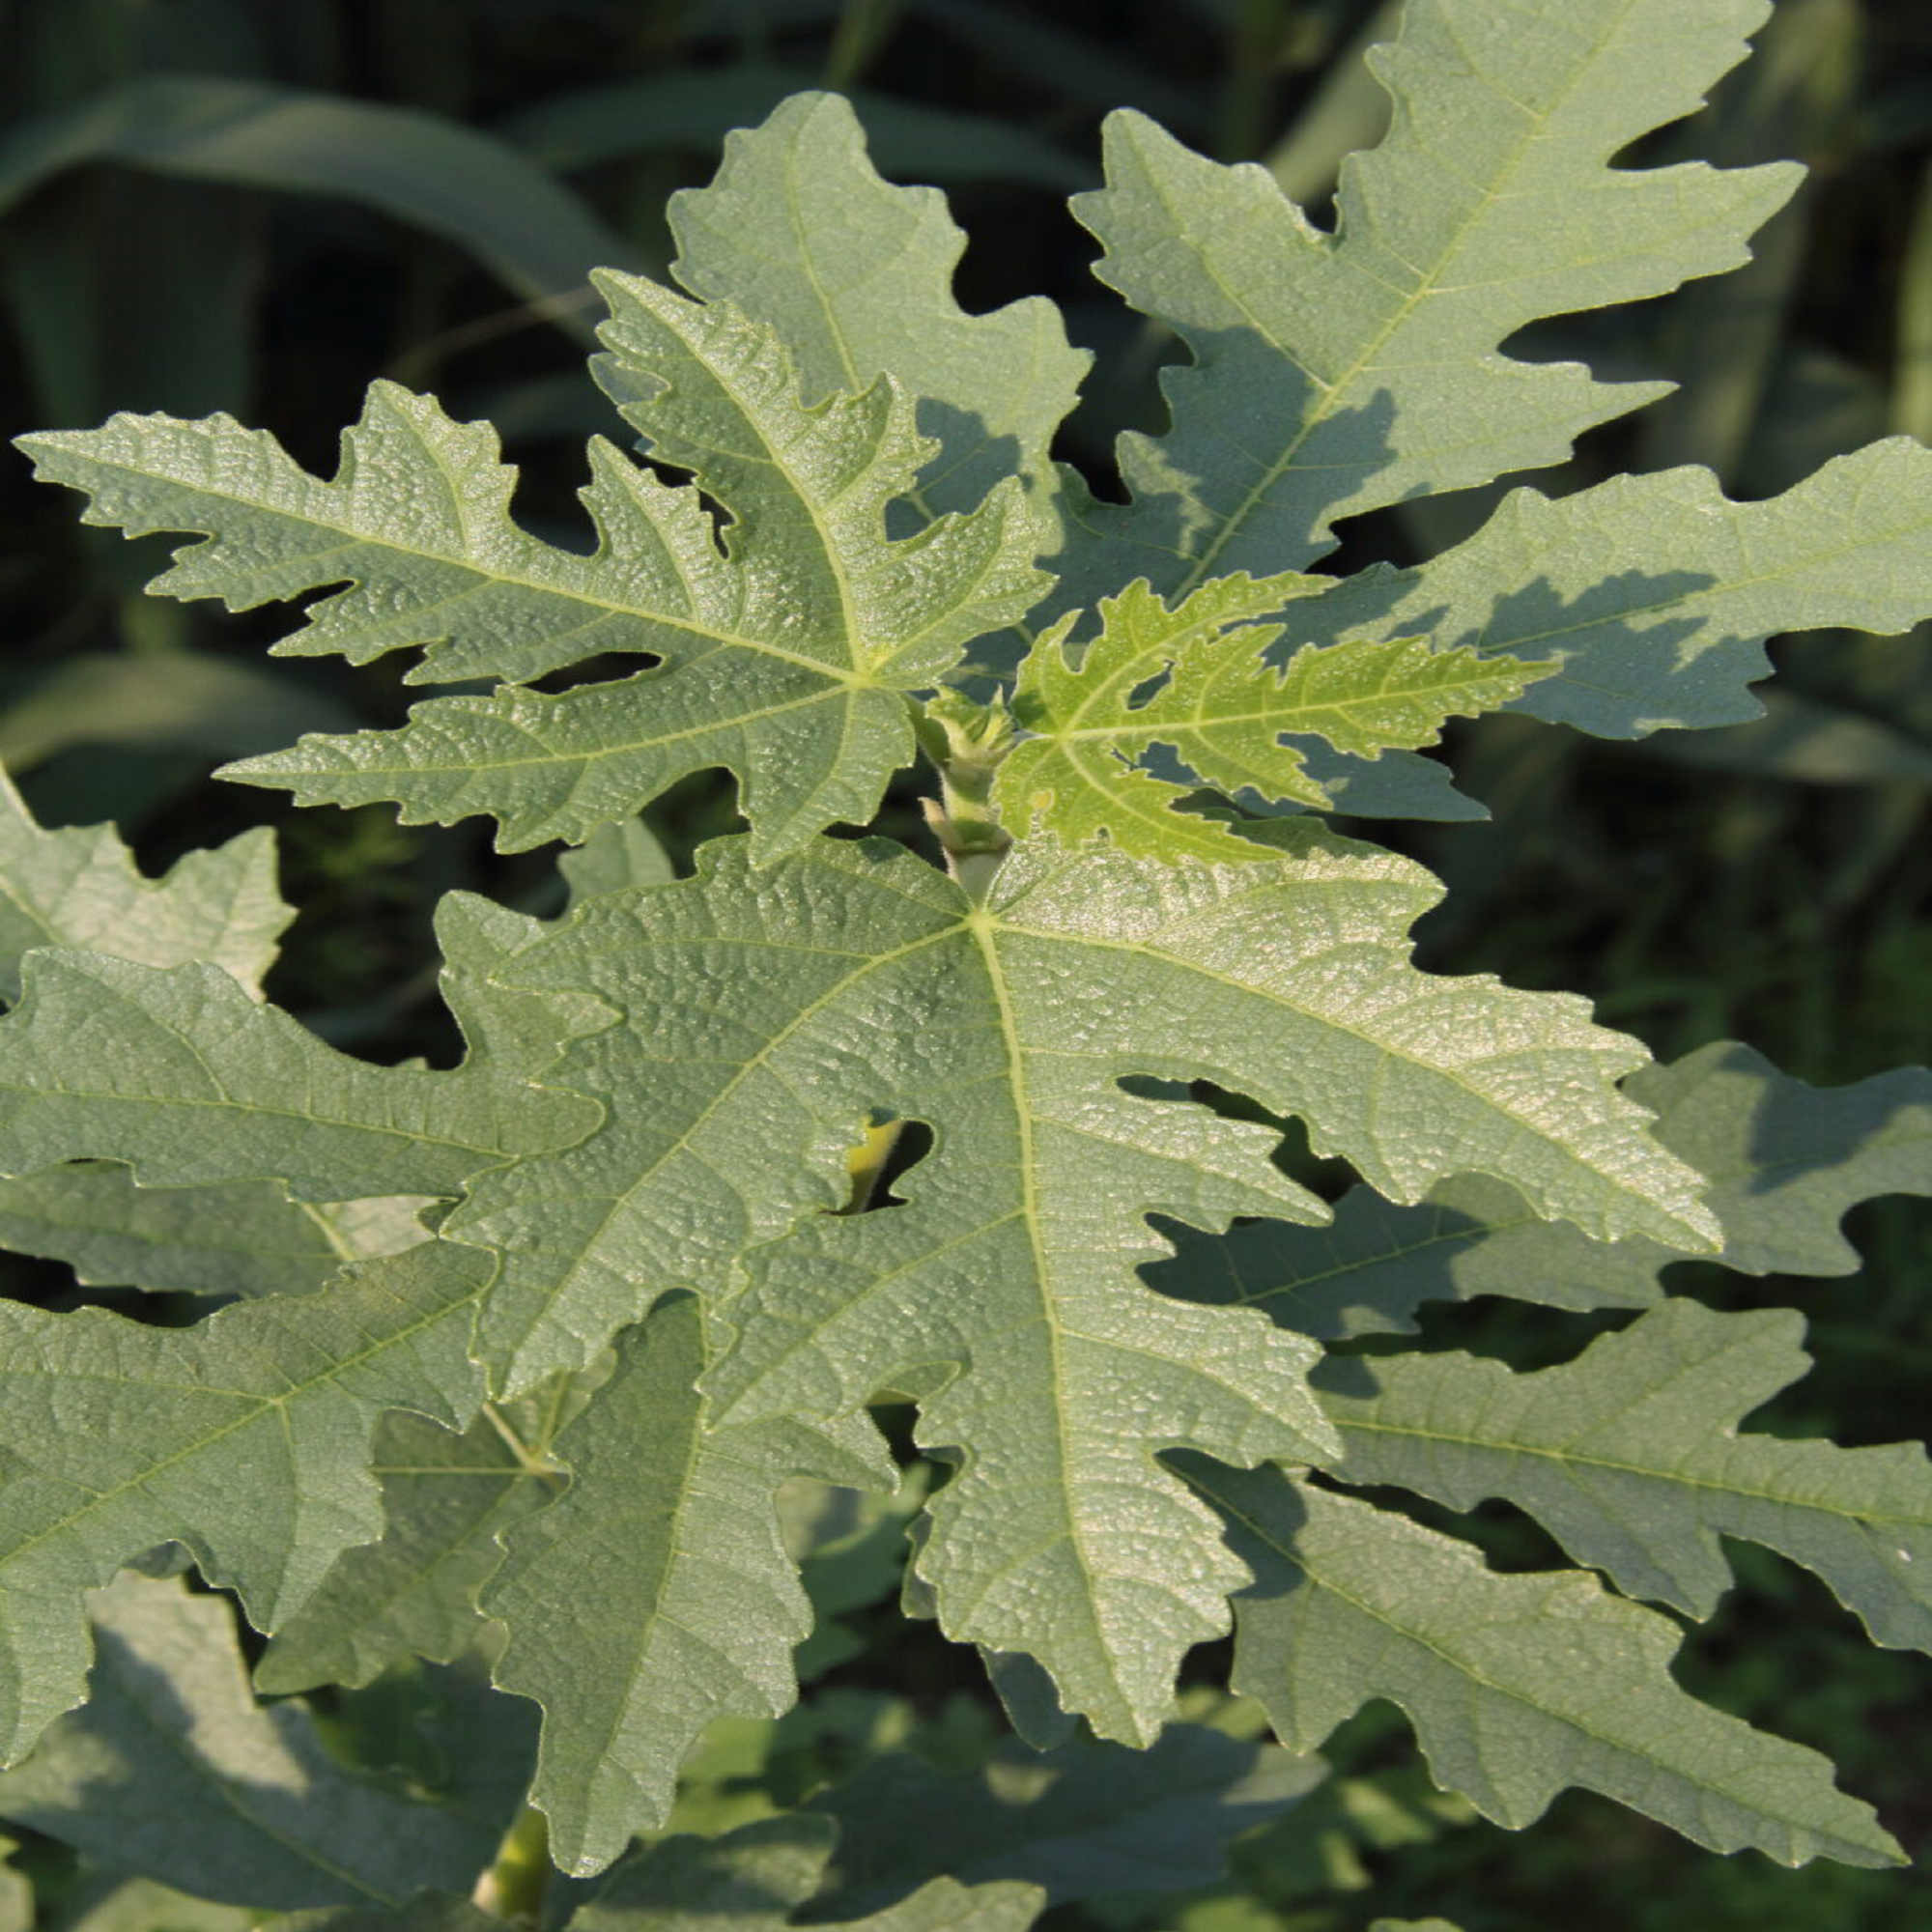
{"x":1194,"y":680}
{"x":657,"y":1593}
{"x":1631,"y":1457}
{"x":173,"y":1771}
{"x":1518,"y":1686}
{"x":1335,"y":373}
{"x":245,"y":1439}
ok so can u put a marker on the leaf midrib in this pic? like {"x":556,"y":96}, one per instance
{"x":1801,"y":1830}
{"x":519,"y":580}
{"x":1329,"y":394}
{"x":277,"y":1404}
{"x":1561,"y":1456}
{"x":229,"y":1793}
{"x":1452,"y":1074}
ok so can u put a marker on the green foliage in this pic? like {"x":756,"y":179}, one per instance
{"x":1231,"y":716}
{"x":173,"y":1772}
{"x":576,"y":1365}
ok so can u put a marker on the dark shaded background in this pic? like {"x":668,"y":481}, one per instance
{"x":259,"y":205}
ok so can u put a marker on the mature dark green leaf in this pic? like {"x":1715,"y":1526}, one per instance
{"x":1086,"y":1821}
{"x":786,"y":655}
{"x":847,"y":970}
{"x":1631,"y":1457}
{"x":446,"y":1499}
{"x":1785,"y":1161}
{"x":1518,"y":1686}
{"x":753,"y":1879}
{"x":1654,"y":594}
{"x":183,"y":1076}
{"x":173,"y":1772}
{"x":857,"y":277}
{"x":245,"y":1439}
{"x":1336,"y":373}
{"x":79,"y":886}
{"x":657,"y":1594}
{"x":246,"y":1237}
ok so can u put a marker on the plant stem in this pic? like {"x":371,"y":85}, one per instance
{"x":967,"y":742}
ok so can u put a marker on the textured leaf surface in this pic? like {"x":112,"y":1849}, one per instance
{"x":172,"y":1771}
{"x":1086,"y":1821}
{"x":780,"y":1011}
{"x":657,"y":1594}
{"x":785,"y":658}
{"x":753,"y":1879}
{"x":245,"y":1439}
{"x":1329,"y":1018}
{"x":1654,"y":594}
{"x":245,"y":1238}
{"x":1222,"y":708}
{"x":185,"y":1078}
{"x":1788,"y":1160}
{"x":447,"y":1499}
{"x":615,"y":857}
{"x":79,"y":886}
{"x":1631,"y":1457}
{"x":1376,"y":1262}
{"x":1518,"y":1686}
{"x":1336,"y":373}
{"x":1785,"y":1161}
{"x":856,"y":276}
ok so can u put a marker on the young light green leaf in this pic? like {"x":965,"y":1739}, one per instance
{"x":1518,"y":1686}
{"x":244,"y":1238}
{"x":1785,"y":1160}
{"x":1631,"y":1457}
{"x":1333,"y":374}
{"x":1086,"y":1821}
{"x":798,"y":231}
{"x":657,"y":1594}
{"x":245,"y":1439}
{"x":79,"y":886}
{"x":446,"y":1499}
{"x":172,"y":1771}
{"x":780,"y":1012}
{"x":785,"y":655}
{"x":755,"y":1878}
{"x":1654,"y":594}
{"x":1222,"y":707}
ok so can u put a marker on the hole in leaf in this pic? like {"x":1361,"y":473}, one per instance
{"x":607,"y":667}
{"x":886,"y":1148}
{"x":1148,"y":689}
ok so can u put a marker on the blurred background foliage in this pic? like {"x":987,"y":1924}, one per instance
{"x":259,"y":205}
